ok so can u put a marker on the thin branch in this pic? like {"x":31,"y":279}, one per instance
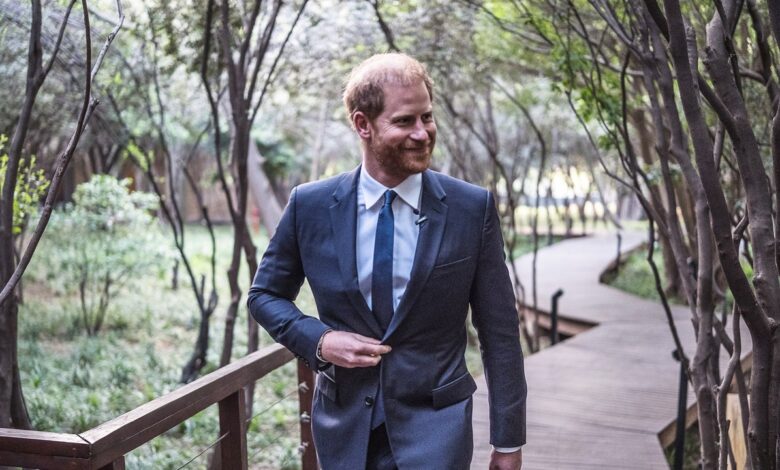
{"x":262,"y":48}
{"x":389,"y":37}
{"x":269,"y":77}
{"x":64,"y":158}
{"x":60,"y":35}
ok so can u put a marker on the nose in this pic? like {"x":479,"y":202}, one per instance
{"x":420,"y":132}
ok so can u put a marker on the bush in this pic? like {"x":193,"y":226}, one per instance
{"x":31,"y":186}
{"x":102,"y":241}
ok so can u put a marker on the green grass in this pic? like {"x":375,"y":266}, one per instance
{"x":636,"y":277}
{"x":525,"y":243}
{"x":73,"y":382}
{"x":594,"y":222}
{"x":690,"y":451}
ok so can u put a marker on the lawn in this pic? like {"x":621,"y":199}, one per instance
{"x":636,"y":277}
{"x":73,"y":382}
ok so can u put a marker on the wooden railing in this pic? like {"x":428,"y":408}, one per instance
{"x":105,"y":446}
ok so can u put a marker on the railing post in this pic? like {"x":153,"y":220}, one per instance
{"x":305,"y":396}
{"x":118,"y":464}
{"x":682,"y":408}
{"x":554,"y":316}
{"x":232,"y":421}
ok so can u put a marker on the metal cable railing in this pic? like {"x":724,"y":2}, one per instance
{"x":281,"y":399}
{"x":210,"y":446}
{"x":288,"y":428}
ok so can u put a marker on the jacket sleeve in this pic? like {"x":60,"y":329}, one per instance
{"x":276,"y":285}
{"x":495,"y":317}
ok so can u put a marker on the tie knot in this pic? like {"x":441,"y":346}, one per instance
{"x":390,"y":196}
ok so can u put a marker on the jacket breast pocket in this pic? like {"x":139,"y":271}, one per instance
{"x":449,"y":267}
{"x":454,"y":391}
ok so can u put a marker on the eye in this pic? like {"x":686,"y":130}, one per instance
{"x":427,"y":117}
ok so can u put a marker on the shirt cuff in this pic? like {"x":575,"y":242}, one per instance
{"x":507,"y":450}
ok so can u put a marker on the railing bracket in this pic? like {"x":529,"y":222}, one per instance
{"x":303,"y":447}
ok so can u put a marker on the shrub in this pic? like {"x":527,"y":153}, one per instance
{"x":31,"y":186}
{"x":101,"y":242}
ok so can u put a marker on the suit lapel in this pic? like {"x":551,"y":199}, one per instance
{"x":343,"y":217}
{"x":428,"y":243}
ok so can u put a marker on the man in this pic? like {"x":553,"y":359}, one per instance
{"x":395,"y":254}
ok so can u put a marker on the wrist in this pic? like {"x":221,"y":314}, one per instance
{"x":319,"y":346}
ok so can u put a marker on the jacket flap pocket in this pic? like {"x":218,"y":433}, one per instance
{"x":327,"y":386}
{"x":455,"y":391}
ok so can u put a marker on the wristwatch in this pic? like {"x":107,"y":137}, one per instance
{"x":319,"y":347}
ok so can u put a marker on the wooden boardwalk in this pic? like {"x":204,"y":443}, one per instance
{"x":600,"y":399}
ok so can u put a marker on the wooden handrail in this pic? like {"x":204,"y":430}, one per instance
{"x":105,"y":445}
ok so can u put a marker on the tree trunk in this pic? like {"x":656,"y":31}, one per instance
{"x":12,"y":411}
{"x":747,"y":301}
{"x":262,"y":193}
{"x":239,"y":146}
{"x":672,"y":287}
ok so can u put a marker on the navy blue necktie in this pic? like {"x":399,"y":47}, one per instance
{"x":382,"y":275}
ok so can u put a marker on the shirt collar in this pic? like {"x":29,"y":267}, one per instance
{"x":372,"y":190}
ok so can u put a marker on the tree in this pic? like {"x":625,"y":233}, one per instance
{"x":150,"y":150}
{"x":619,"y":64}
{"x":12,"y":409}
{"x":242,"y":54}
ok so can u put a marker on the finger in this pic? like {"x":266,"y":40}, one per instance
{"x":366,"y":339}
{"x":361,"y":361}
{"x":373,"y":349}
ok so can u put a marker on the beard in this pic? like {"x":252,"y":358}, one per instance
{"x":402,"y":159}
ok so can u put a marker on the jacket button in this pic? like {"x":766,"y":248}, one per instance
{"x":369,"y":401}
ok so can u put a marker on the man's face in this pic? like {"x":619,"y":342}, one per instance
{"x":402,"y":137}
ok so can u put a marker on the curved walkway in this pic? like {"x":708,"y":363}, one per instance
{"x":600,"y":399}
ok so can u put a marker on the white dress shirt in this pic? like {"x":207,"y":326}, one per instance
{"x":406,"y":210}
{"x":405,"y":213}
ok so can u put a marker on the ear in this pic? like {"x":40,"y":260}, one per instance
{"x":361,"y":124}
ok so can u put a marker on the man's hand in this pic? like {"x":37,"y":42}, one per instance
{"x":506,"y":461}
{"x":351,"y":349}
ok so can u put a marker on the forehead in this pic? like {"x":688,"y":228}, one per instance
{"x":412,"y":98}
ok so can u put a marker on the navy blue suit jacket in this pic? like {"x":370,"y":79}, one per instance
{"x":459,"y":262}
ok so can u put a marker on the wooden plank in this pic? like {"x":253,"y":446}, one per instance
{"x":566,"y":326}
{"x":118,"y":464}
{"x":305,"y":397}
{"x":120,"y":435}
{"x":232,"y":425}
{"x":736,"y":432}
{"x":45,"y":462}
{"x":43,"y":443}
{"x":607,"y":397}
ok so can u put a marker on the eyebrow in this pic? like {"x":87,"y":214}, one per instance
{"x":408,"y":115}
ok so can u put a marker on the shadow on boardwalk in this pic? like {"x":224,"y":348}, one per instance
{"x":600,"y":399}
